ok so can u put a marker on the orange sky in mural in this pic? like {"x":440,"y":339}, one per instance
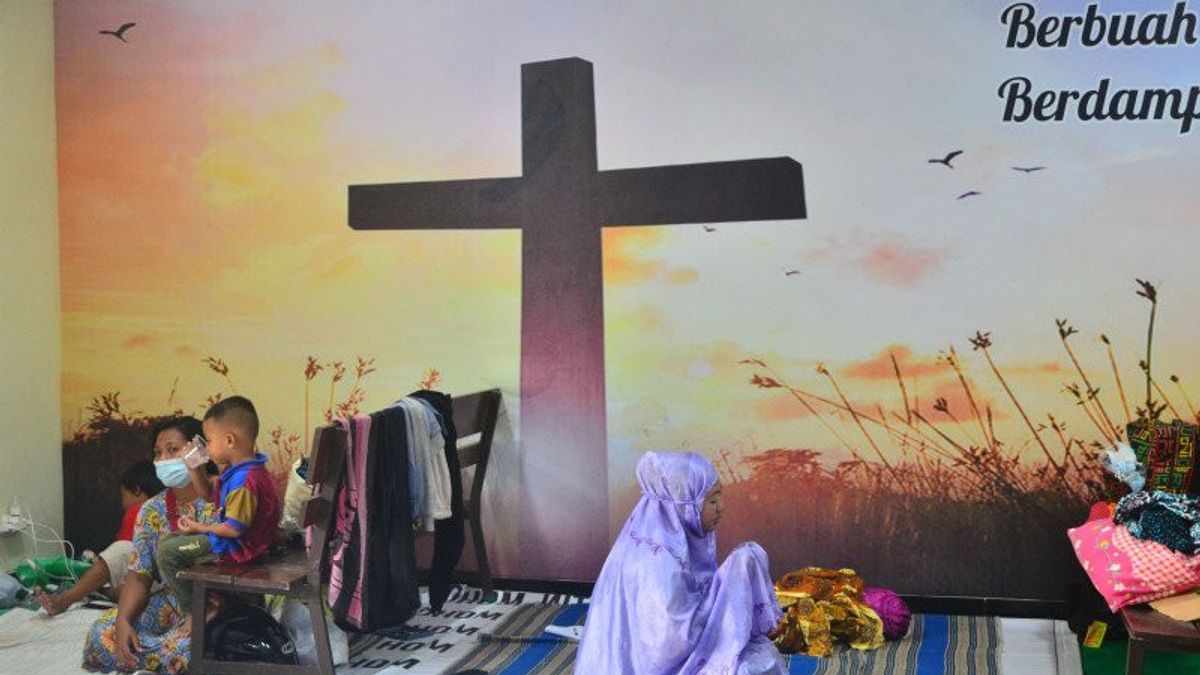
{"x":202,"y":215}
{"x":203,"y":172}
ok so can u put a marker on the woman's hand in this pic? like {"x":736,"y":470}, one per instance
{"x":186,"y":524}
{"x":128,"y":646}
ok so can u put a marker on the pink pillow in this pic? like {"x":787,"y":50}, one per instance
{"x":1127,"y":570}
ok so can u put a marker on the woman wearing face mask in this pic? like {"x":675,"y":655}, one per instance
{"x":146,"y":630}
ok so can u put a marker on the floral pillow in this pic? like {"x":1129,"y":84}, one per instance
{"x":1127,"y":570}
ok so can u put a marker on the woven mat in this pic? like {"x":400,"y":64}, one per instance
{"x":935,"y":645}
{"x":431,"y":643}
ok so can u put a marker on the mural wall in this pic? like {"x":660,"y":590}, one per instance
{"x":903,"y":363}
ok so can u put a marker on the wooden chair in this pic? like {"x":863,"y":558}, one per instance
{"x":1151,"y":629}
{"x":298,"y":574}
{"x":294,"y":575}
{"x":476,"y":414}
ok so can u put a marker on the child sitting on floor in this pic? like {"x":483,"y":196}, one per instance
{"x":248,"y":505}
{"x":138,"y":483}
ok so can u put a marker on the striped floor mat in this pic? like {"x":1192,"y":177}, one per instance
{"x":936,"y":645}
{"x":430,"y":643}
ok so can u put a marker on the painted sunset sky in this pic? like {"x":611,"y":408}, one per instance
{"x":204,"y":164}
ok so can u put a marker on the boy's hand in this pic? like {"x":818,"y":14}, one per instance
{"x":186,"y":524}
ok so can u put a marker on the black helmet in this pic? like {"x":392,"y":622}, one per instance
{"x":248,"y":633}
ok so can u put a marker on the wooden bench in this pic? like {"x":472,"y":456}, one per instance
{"x":1150,"y":629}
{"x":297,"y":574}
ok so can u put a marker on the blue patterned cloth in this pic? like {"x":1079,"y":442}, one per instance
{"x":1170,"y":519}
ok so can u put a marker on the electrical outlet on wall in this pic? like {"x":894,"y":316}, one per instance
{"x":13,"y":521}
{"x":9,"y":524}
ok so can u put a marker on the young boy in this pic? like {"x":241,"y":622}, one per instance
{"x":107,"y":573}
{"x":248,"y":506}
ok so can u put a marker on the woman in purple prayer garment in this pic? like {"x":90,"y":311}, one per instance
{"x":661,"y":605}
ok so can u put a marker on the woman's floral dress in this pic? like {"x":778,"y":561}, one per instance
{"x":165,"y":646}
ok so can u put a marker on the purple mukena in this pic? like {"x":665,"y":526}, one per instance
{"x":661,"y":605}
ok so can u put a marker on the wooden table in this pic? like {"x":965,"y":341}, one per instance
{"x":1150,"y":629}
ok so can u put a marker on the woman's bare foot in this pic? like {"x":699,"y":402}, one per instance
{"x":53,"y":604}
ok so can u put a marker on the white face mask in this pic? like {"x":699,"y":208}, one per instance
{"x":172,"y":472}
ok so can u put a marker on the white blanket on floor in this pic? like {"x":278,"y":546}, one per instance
{"x":1038,"y":647}
{"x":32,"y":643}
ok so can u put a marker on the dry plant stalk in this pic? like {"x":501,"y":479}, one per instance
{"x":903,"y":389}
{"x":765,"y":382}
{"x":430,"y":379}
{"x":339,"y":371}
{"x":1065,"y":330}
{"x":982,"y":341}
{"x":1187,"y":399}
{"x":1074,"y":390}
{"x":1112,"y":360}
{"x":1166,"y":400}
{"x":854,"y":414}
{"x":943,"y":406}
{"x":950,"y":357}
{"x":218,"y":366}
{"x":1148,"y":291}
{"x":310,"y":371}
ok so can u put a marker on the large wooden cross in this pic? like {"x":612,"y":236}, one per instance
{"x":560,"y":202}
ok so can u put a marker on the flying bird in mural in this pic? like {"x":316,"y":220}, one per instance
{"x":1028,"y":169}
{"x":120,"y":32}
{"x":970,"y":193}
{"x":789,"y":273}
{"x":947,"y":159}
{"x":709,"y":229}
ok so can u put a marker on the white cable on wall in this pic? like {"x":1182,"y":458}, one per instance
{"x":56,"y":539}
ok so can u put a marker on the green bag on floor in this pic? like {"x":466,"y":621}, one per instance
{"x":48,"y":570}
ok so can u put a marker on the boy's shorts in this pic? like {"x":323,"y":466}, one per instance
{"x":117,"y":557}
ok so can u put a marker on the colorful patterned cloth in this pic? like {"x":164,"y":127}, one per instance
{"x":164,"y":646}
{"x":1168,"y":452}
{"x":821,"y":606}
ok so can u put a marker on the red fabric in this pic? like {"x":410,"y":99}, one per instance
{"x":1101,"y":510}
{"x":172,"y":511}
{"x":127,"y":523}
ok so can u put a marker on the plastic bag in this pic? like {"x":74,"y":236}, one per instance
{"x":293,"y":499}
{"x":10,"y":592}
{"x":1122,"y":462}
{"x":298,"y":622}
{"x":44,"y":571}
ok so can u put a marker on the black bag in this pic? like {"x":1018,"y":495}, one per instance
{"x":248,"y":633}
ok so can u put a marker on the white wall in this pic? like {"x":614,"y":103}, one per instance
{"x":30,"y":435}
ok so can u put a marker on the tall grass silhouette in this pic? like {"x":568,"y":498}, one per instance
{"x":926,"y":501}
